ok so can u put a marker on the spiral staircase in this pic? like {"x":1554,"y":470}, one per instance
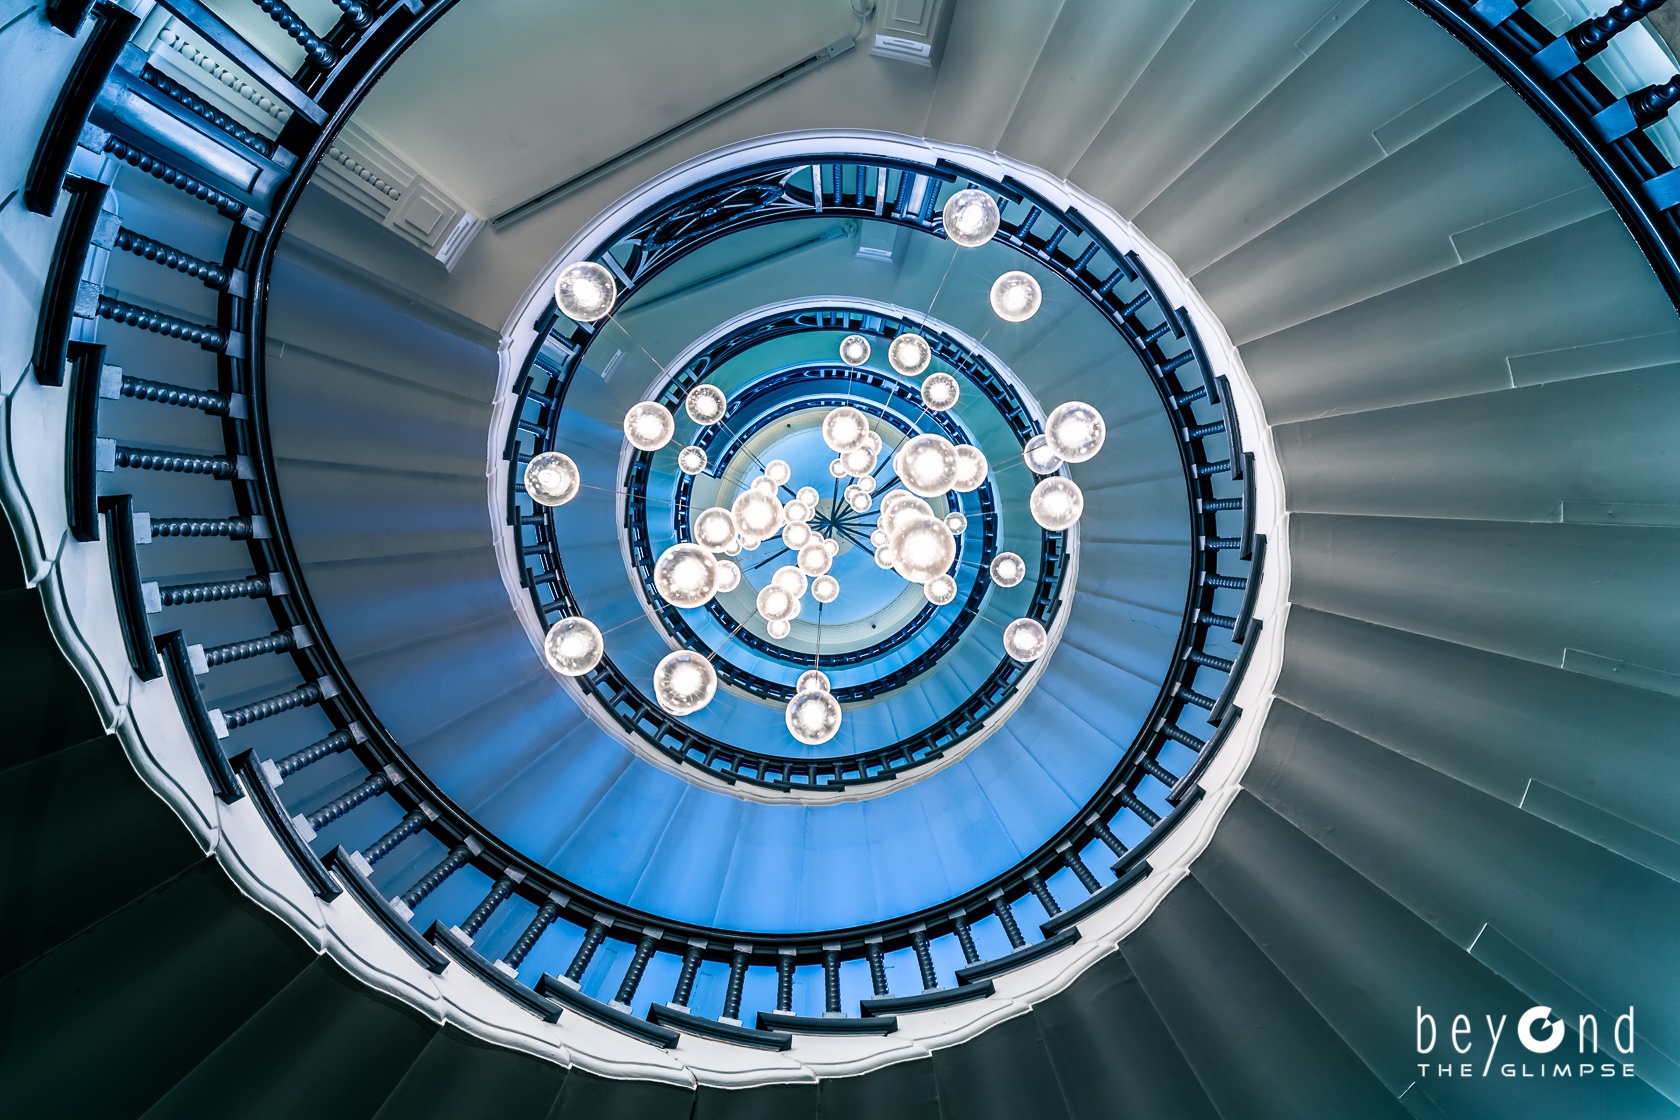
{"x":296,"y":820}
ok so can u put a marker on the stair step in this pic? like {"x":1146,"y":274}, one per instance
{"x":1243,"y":1028}
{"x":151,"y":991}
{"x":85,"y":838}
{"x":462,"y":1077}
{"x":323,"y":1037}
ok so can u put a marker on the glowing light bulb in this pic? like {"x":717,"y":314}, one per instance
{"x":795,"y":511}
{"x":796,"y":534}
{"x":778,"y":629}
{"x":854,"y":349}
{"x":837,"y":468}
{"x":940,"y":392}
{"x":940,"y":590}
{"x":778,"y":471}
{"x":776,"y":604}
{"x":790,"y":579}
{"x":706,"y":404}
{"x":807,"y":497}
{"x":814,"y":559}
{"x":1015,"y":297}
{"x":1008,"y":569}
{"x":956,"y":522}
{"x":909,"y":354}
{"x":1025,"y":639}
{"x":757,"y":513}
{"x":714,"y":528}
{"x":825,"y":589}
{"x":812,"y":679}
{"x":573,"y":646}
{"x":971,"y":218}
{"x":884,"y":557}
{"x":1040,"y":457}
{"x":1075,"y":431}
{"x":844,"y":428}
{"x":859,"y":462}
{"x":971,"y":468}
{"x":729,"y":576}
{"x":691,"y":459}
{"x":866,"y":484}
{"x":928,"y":465}
{"x":649,"y":426}
{"x":813,"y":716}
{"x":924,"y":548}
{"x":552,"y":479}
{"x":585,"y":291}
{"x":1056,"y":503}
{"x":686,"y":575}
{"x":684,"y":682}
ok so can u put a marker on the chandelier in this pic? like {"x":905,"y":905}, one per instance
{"x":909,"y":537}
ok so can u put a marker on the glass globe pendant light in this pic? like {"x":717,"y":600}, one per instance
{"x":790,"y":579}
{"x":729,"y":576}
{"x":859,"y":461}
{"x":878,"y":538}
{"x":573,"y":646}
{"x":844,"y":428}
{"x":795,"y":512}
{"x":757,"y":514}
{"x":1008,"y":569}
{"x":884,"y":557}
{"x":814,"y":559}
{"x":924,"y":548}
{"x":1025,"y":639}
{"x":1040,"y":457}
{"x":684,"y":682}
{"x":649,"y":426}
{"x":825,"y":589}
{"x":900,"y":505}
{"x":714,"y":528}
{"x":837,"y":468}
{"x":928,"y":465}
{"x":854,"y":349}
{"x":778,"y":629}
{"x":1015,"y":297}
{"x":867,"y":483}
{"x":1075,"y":431}
{"x":812,"y":679}
{"x":956,"y":522}
{"x":778,"y":472}
{"x":776,"y":604}
{"x":940,"y":590}
{"x":971,"y":468}
{"x":686,"y":575}
{"x":807,"y":497}
{"x":706,"y":404}
{"x":552,"y":479}
{"x":971,"y":218}
{"x":813,"y":716}
{"x":691,"y":459}
{"x":940,"y":392}
{"x":1056,"y":503}
{"x":909,"y":354}
{"x":796,"y":533}
{"x":858,"y":500}
{"x":585,"y":291}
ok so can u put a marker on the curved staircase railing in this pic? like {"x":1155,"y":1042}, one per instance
{"x":120,"y":106}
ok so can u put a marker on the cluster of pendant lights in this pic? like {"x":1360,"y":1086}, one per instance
{"x":909,"y":538}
